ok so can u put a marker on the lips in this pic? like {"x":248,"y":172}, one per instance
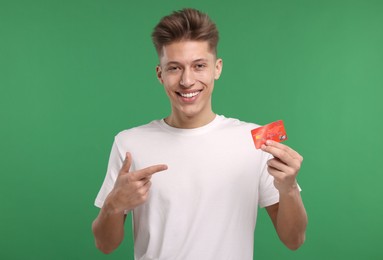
{"x":189,"y":95}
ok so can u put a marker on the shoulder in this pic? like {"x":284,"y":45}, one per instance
{"x":136,"y":132}
{"x":234,"y":123}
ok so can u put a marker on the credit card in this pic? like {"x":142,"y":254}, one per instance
{"x":274,"y":131}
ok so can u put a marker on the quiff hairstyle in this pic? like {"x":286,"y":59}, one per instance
{"x":185,"y":24}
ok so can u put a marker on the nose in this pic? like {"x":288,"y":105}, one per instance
{"x":187,"y":79}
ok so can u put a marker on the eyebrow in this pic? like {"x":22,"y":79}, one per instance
{"x":200,"y":60}
{"x":178,"y":63}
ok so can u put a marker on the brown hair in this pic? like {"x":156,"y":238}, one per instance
{"x":186,"y":24}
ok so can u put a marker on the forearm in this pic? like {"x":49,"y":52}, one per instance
{"x":291,"y":219}
{"x":108,"y":228}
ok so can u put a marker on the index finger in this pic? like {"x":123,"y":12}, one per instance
{"x":275,"y":148}
{"x":147,"y":172}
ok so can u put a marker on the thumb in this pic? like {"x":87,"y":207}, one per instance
{"x":126,"y":164}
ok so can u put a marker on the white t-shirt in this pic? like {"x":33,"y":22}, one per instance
{"x":205,"y":205}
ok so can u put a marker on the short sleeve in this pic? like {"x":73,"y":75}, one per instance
{"x":268,"y":194}
{"x":114,"y":166}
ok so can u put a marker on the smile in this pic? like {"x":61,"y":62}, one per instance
{"x":189,"y":95}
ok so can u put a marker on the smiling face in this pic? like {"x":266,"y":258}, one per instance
{"x":188,"y":70}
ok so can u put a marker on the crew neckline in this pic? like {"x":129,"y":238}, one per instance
{"x":191,"y":131}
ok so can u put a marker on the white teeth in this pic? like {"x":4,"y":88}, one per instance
{"x":189,"y":95}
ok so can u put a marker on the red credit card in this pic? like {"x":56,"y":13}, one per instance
{"x":274,"y":131}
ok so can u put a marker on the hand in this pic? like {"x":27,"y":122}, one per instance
{"x":131,"y":189}
{"x":285,"y":165}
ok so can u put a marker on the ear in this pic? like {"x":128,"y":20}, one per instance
{"x":159,"y":74}
{"x":218,"y":68}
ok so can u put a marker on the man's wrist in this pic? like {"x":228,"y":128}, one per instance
{"x":292,"y":190}
{"x":110,"y":206}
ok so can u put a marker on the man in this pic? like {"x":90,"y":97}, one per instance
{"x":194,"y":180}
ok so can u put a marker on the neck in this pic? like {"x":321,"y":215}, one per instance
{"x":186,"y":122}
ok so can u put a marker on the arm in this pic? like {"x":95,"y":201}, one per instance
{"x":108,"y":229}
{"x":130,"y":190}
{"x":289,"y":215}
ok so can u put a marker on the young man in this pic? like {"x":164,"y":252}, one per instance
{"x":194,"y":180}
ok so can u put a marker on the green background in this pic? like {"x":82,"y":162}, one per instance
{"x":75,"y":73}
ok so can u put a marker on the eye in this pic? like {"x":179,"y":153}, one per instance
{"x":200,"y":66}
{"x":172,"y":68}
